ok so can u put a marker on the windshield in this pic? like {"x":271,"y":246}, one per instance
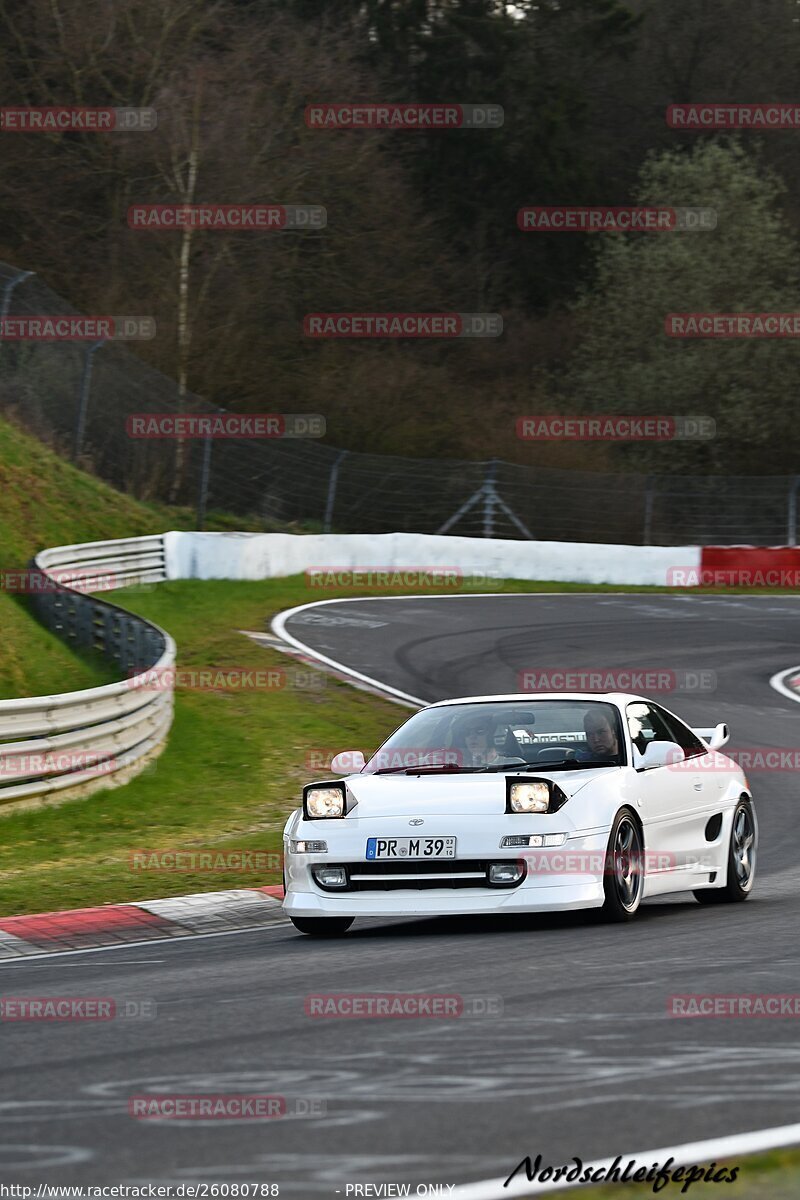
{"x":550,"y":734}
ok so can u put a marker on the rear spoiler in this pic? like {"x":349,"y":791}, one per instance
{"x":716,"y":737}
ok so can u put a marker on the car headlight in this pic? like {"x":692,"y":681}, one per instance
{"x":529,"y":797}
{"x":533,"y":796}
{"x":322,"y":802}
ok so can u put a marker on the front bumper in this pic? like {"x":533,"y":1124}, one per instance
{"x":477,"y":838}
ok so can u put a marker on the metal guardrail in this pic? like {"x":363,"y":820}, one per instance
{"x":74,"y":742}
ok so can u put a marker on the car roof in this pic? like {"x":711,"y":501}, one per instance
{"x":618,"y":698}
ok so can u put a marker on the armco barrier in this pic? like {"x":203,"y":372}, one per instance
{"x":70,"y":744}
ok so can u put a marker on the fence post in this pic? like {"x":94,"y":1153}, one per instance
{"x":326,"y":528}
{"x":791,"y":531}
{"x":9,"y":288}
{"x":489,"y":498}
{"x":5,"y":303}
{"x":83,"y":403}
{"x":649,"y":498}
{"x":205,"y":475}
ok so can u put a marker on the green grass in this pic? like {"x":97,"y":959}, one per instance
{"x":231,"y":772}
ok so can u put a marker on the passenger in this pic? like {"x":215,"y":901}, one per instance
{"x":480,"y":750}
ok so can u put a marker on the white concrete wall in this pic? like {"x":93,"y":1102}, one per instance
{"x":269,"y":555}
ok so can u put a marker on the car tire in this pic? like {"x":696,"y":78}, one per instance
{"x":623,"y":878}
{"x":741,"y":860}
{"x":322,"y":926}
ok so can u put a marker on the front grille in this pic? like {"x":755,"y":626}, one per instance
{"x":449,"y":873}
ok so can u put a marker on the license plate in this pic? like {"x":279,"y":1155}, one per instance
{"x":420,"y":847}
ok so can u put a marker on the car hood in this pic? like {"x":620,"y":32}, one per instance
{"x":410,"y":795}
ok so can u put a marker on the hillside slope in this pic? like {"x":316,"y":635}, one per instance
{"x":44,"y":501}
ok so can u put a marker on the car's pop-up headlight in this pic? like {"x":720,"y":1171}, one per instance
{"x":533,"y":796}
{"x":323,"y":801}
{"x":529,"y":797}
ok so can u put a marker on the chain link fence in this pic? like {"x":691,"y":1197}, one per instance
{"x":77,"y":397}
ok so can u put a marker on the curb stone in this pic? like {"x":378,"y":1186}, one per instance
{"x":146,"y":920}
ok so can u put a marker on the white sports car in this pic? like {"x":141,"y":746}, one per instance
{"x":508,"y":804}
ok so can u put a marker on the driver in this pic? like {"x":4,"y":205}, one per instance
{"x":601,"y":737}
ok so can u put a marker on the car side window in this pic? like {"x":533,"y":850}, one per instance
{"x":646,"y":725}
{"x":688,"y":741}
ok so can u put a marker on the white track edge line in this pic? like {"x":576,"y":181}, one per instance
{"x":49,"y":955}
{"x":689,"y":1153}
{"x":278,"y":627}
{"x":777,"y":683}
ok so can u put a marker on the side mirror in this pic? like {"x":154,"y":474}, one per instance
{"x":658,"y":754}
{"x":347,"y":762}
{"x":719,"y":736}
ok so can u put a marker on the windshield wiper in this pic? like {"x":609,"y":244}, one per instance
{"x":577,"y":764}
{"x":427,"y":769}
{"x":516,"y":764}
